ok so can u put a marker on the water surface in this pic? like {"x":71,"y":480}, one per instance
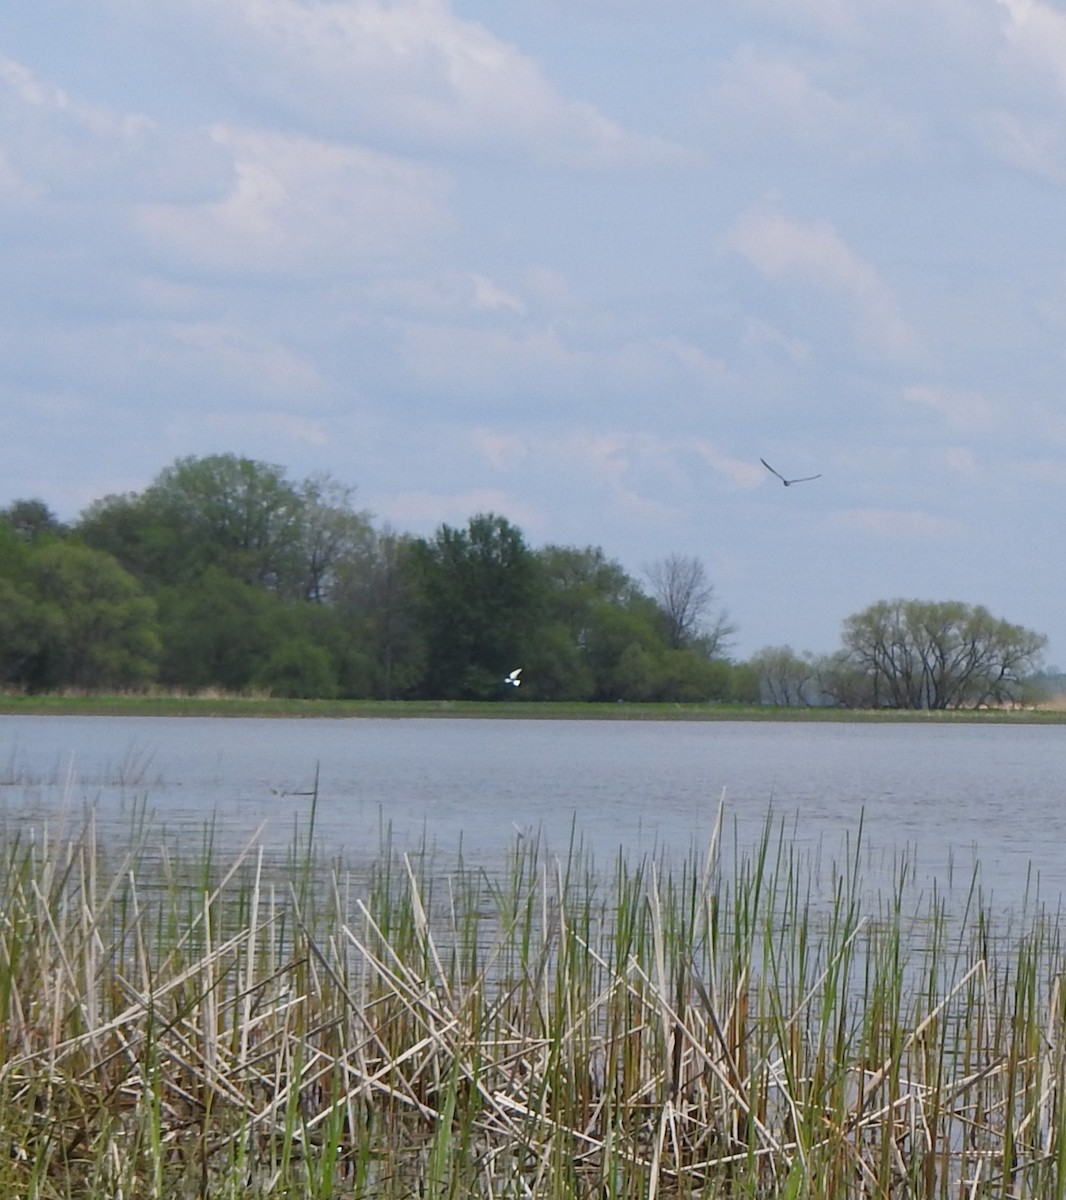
{"x":944,"y":796}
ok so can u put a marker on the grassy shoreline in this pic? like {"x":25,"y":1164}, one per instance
{"x":240,"y":1028}
{"x":124,"y":705}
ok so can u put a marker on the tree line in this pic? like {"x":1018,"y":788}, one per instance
{"x":225,"y":573}
{"x":913,"y":654}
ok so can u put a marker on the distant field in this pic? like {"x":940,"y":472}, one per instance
{"x":244,"y":706}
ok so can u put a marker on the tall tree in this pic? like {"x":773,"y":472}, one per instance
{"x":138,"y":534}
{"x":685,"y":594}
{"x":32,"y":521}
{"x":919,"y":654}
{"x":217,"y":631}
{"x":329,"y":532}
{"x":388,"y":603}
{"x":243,"y":517}
{"x":234,"y":513}
{"x":480,"y":597}
{"x":785,"y":677}
{"x":26,"y":627}
{"x":577,"y":649}
{"x":101,"y":629}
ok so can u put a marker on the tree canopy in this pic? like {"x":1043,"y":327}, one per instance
{"x":226,"y":573}
{"x":920,"y":654}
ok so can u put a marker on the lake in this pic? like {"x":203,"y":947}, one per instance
{"x":944,"y":796}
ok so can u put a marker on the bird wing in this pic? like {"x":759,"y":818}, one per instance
{"x":805,"y":479}
{"x":772,"y":471}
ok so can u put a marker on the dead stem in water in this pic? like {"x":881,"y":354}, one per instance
{"x":194,"y":1031}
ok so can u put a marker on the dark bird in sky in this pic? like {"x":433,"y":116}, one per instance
{"x":787,"y":482}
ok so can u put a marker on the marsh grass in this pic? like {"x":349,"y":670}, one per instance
{"x":248,"y":1028}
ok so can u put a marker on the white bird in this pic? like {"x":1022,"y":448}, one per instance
{"x":513,"y":679}
{"x":787,"y":482}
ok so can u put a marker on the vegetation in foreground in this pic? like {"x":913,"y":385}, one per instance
{"x":190,"y":1028}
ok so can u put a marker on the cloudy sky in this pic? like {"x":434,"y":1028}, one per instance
{"x":581,"y":263}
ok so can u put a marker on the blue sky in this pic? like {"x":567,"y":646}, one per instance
{"x":578,"y":262}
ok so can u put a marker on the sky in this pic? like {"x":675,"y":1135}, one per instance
{"x":579,"y":263}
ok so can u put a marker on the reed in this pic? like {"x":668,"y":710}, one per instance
{"x":745,"y":1023}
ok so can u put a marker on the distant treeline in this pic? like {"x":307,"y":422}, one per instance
{"x":224,"y":573}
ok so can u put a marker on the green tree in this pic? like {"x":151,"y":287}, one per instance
{"x":623,"y":646}
{"x":636,"y":675}
{"x":743,"y":683}
{"x":99,"y":629}
{"x":690,"y":677}
{"x":785,"y":678}
{"x":375,"y":594}
{"x":216,"y":632}
{"x":298,"y":668}
{"x":329,"y":534}
{"x":26,"y":627}
{"x":919,"y":654}
{"x":244,"y":517}
{"x":593,"y":612}
{"x":235,"y":514}
{"x":480,"y":595}
{"x":136,"y":532}
{"x":32,"y":521}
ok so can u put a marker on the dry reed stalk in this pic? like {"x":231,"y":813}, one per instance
{"x":551,"y":1057}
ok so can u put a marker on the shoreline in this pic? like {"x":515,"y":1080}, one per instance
{"x":122,"y":705}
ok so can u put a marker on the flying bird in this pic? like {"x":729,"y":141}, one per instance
{"x":513,"y":679}
{"x":787,"y":482}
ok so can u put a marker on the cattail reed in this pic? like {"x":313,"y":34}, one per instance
{"x":747,"y":1022}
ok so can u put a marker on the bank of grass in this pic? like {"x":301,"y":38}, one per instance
{"x":229,"y":705}
{"x":202,"y":1027}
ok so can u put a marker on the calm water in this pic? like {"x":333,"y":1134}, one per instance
{"x":943,"y":795}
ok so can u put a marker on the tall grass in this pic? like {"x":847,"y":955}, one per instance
{"x":248,"y":1028}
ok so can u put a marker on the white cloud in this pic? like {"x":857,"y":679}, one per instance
{"x":739,"y":471}
{"x":489,"y":296}
{"x":960,"y":408}
{"x":898,"y":525}
{"x":54,"y":145}
{"x":301,"y":205}
{"x":244,"y":358}
{"x":646,"y":509}
{"x":961,"y":460}
{"x":461,"y":295}
{"x":1036,"y":38}
{"x":32,"y":94}
{"x":814,"y":254}
{"x":13,"y":185}
{"x":426,"y":509}
{"x":842,"y":19}
{"x":500,"y":449}
{"x":251,"y":429}
{"x":500,"y":359}
{"x":1042,"y":470}
{"x":762,"y":100}
{"x":611,"y":457}
{"x":760,"y":335}
{"x":1034,"y":144}
{"x":910,"y":27}
{"x":414,"y":68}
